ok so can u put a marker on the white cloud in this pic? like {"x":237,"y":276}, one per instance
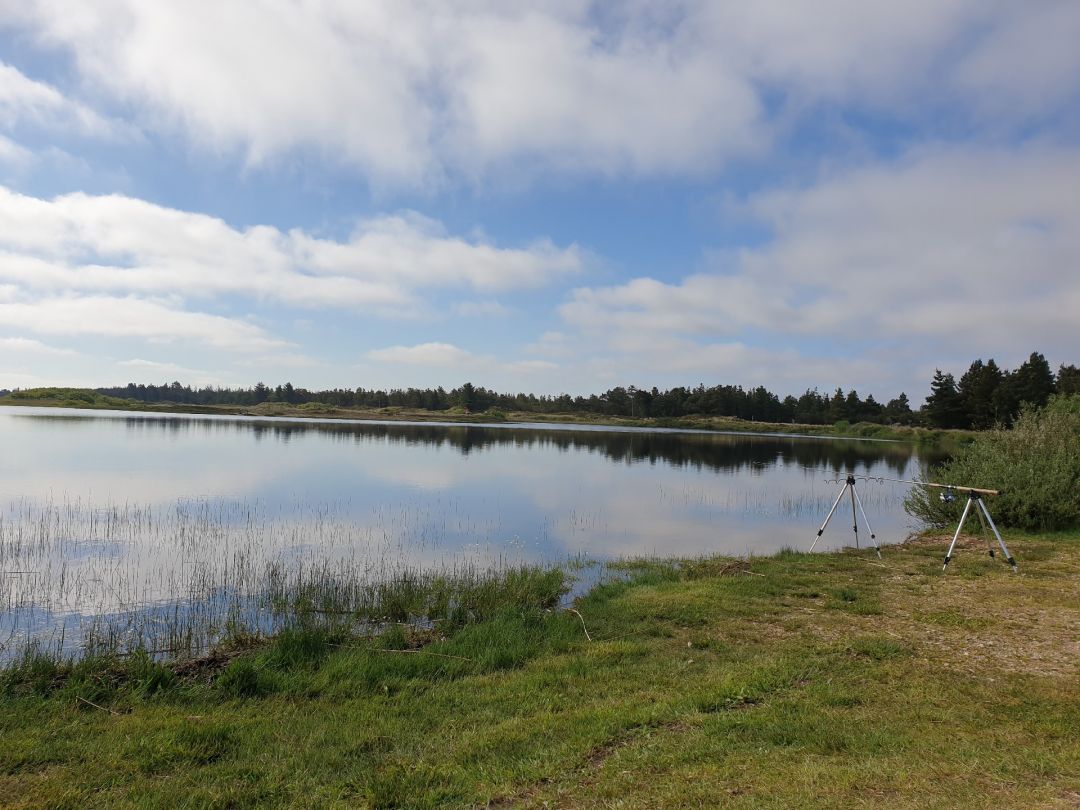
{"x":446,"y":356}
{"x":14,"y":154}
{"x":975,"y":247}
{"x":959,"y":253}
{"x":133,"y":318}
{"x":552,"y":86}
{"x":408,"y":91}
{"x":26,"y":346}
{"x":141,"y":370}
{"x":415,"y":250}
{"x":438,"y":355}
{"x":279,"y":360}
{"x":552,"y":344}
{"x":26,"y":101}
{"x":115,"y":244}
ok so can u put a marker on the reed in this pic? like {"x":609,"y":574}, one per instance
{"x":83,"y":581}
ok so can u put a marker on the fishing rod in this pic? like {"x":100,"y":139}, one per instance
{"x":957,"y":487}
{"x":974,"y":498}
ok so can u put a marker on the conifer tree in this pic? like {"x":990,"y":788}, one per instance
{"x":1068,"y":380}
{"x":1034,"y":380}
{"x":944,"y":408}
{"x":977,"y":388}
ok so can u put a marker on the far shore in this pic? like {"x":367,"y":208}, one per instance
{"x":860,"y":430}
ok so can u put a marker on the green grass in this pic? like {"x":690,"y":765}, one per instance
{"x":792,"y":681}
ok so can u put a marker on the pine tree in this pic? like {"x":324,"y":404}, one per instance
{"x":1034,"y":380}
{"x":899,"y":410}
{"x":836,"y":406}
{"x":977,"y":388}
{"x":944,"y":408}
{"x":853,"y":406}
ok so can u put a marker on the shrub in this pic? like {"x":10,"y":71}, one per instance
{"x":1036,"y":465}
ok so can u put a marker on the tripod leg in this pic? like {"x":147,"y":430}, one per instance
{"x":869,"y":528}
{"x":827,"y":519}
{"x":952,"y":545}
{"x":985,"y":532}
{"x":854,"y":520}
{"x":1008,"y":557}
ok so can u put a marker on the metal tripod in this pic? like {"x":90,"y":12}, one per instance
{"x":976,"y":498}
{"x":849,"y":486}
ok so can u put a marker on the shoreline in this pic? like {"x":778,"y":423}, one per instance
{"x":709,"y":424}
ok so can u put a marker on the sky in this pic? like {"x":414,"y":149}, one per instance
{"x":548,"y":197}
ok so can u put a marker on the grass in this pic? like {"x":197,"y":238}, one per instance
{"x":791,"y":681}
{"x":89,"y":399}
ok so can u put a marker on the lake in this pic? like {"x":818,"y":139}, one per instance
{"x":117,"y":522}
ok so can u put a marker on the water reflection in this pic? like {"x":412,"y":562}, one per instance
{"x":713,"y":451}
{"x":108,"y":511}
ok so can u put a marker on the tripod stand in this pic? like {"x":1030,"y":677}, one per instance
{"x":849,"y":486}
{"x":975,"y":497}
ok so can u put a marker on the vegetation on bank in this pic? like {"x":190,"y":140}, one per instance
{"x":1036,"y":465}
{"x":792,"y":681}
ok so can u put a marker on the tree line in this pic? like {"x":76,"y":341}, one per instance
{"x":984,"y":396}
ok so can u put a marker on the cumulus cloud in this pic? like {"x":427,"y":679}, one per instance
{"x":409,"y":91}
{"x":115,"y":244}
{"x":962,"y":252}
{"x":118,"y":267}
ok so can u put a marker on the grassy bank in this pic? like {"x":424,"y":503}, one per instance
{"x":86,"y":399}
{"x":793,"y":681}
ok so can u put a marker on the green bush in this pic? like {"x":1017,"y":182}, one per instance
{"x":1036,"y":465}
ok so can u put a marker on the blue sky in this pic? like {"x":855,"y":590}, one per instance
{"x":548,"y":198}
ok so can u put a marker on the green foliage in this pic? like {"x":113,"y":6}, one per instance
{"x":1068,"y":379}
{"x":1036,"y":465}
{"x":71,"y":398}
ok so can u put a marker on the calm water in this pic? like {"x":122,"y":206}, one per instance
{"x":103,"y":512}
